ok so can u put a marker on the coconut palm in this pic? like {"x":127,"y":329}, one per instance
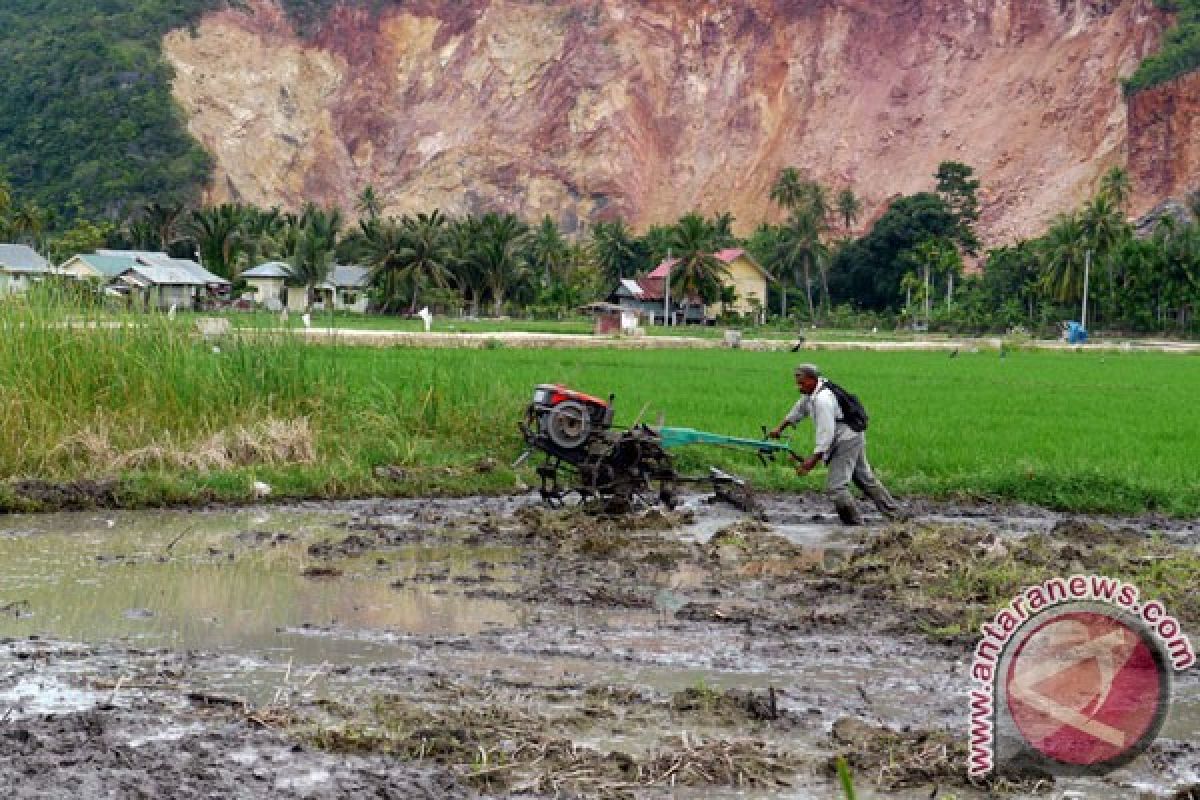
{"x":849,"y":207}
{"x":698,"y":273}
{"x":799,"y":250}
{"x":788,"y":188}
{"x":1116,"y":186}
{"x":1064,"y":250}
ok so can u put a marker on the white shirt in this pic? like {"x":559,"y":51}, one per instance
{"x":823,"y":407}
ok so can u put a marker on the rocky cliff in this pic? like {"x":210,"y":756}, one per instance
{"x":650,"y":108}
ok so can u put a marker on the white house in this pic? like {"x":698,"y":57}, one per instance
{"x":20,"y":266}
{"x":161,"y":280}
{"x":344,"y":290}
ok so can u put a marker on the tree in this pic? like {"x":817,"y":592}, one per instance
{"x":162,"y":219}
{"x":849,"y":207}
{"x":788,"y":188}
{"x":1064,"y":250}
{"x":316,"y":240}
{"x":1115,"y":186}
{"x":424,"y":254}
{"x":698,"y":274}
{"x":216,"y":233}
{"x":369,"y":204}
{"x":868,"y":271}
{"x":615,"y":250}
{"x":84,"y":236}
{"x":548,"y":250}
{"x":499,"y":255}
{"x":799,"y":250}
{"x":958,"y":190}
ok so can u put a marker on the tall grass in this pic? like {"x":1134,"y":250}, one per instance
{"x":71,"y":373}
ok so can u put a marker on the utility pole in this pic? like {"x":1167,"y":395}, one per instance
{"x":667,"y":292}
{"x":1087,"y":266}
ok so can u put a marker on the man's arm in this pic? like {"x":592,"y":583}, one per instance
{"x":799,"y":411}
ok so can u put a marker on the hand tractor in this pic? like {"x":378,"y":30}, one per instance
{"x":619,"y":469}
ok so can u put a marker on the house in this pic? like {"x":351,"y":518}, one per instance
{"x":154,"y":276}
{"x":162,"y":286}
{"x":345,"y":289}
{"x":20,"y":266}
{"x":650,"y":292}
{"x":267,"y":282}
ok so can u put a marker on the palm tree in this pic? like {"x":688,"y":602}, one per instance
{"x":1064,"y":250}
{"x":698,"y":274}
{"x":369,"y":203}
{"x":788,"y":188}
{"x":799,"y":249}
{"x":461,"y":239}
{"x":1115,"y":185}
{"x":615,"y":249}
{"x":163,"y":220}
{"x":216,"y":233}
{"x":316,"y":232}
{"x":548,"y":250}
{"x":500,"y":255}
{"x":424,"y":254}
{"x":722,"y":228}
{"x":383,"y":243}
{"x":849,"y":207}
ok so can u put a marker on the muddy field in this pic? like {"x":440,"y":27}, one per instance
{"x":490,"y":647}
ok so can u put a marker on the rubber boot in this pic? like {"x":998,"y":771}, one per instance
{"x":847,"y":511}
{"x":884,"y":501}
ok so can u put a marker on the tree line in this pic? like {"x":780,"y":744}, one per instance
{"x":908,"y":268}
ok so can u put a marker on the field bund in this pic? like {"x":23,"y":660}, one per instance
{"x":372,"y":338}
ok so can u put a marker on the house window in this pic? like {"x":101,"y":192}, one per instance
{"x":350,"y":298}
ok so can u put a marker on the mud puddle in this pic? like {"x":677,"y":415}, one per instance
{"x":445,"y":648}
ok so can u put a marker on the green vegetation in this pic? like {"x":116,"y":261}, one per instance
{"x":1180,"y":52}
{"x":87,"y":123}
{"x":146,"y":402}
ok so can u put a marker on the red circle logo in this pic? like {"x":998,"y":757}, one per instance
{"x":1087,"y":689}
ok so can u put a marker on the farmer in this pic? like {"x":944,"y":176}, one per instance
{"x":838,"y":445}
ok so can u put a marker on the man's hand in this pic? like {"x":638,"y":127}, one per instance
{"x":806,"y":466}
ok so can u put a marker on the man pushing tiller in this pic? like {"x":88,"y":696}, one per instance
{"x":840,"y":425}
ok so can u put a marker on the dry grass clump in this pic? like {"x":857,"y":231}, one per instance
{"x":271,"y":442}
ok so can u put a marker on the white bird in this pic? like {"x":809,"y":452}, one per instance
{"x":262,"y":489}
{"x":426,"y":317}
{"x":171,"y":311}
{"x":307,"y":320}
{"x":283,"y":316}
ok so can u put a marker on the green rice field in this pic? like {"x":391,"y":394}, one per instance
{"x":178,"y":419}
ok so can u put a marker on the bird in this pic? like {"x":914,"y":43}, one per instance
{"x":426,"y":317}
{"x":954,"y":354}
{"x":171,"y":311}
{"x":799,"y":343}
{"x":307,"y":320}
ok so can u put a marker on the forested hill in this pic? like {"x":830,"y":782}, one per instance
{"x":87,"y":123}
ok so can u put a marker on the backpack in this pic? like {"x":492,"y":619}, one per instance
{"x":853,"y":412}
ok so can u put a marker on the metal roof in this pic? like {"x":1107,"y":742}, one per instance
{"x":108,"y":266}
{"x":166,"y":275}
{"x":271,"y":269}
{"x":21,"y":258}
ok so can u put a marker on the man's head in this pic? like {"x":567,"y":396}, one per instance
{"x":807,"y":376}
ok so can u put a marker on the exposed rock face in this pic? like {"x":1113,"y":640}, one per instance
{"x":648,"y":109}
{"x":1164,"y":141}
